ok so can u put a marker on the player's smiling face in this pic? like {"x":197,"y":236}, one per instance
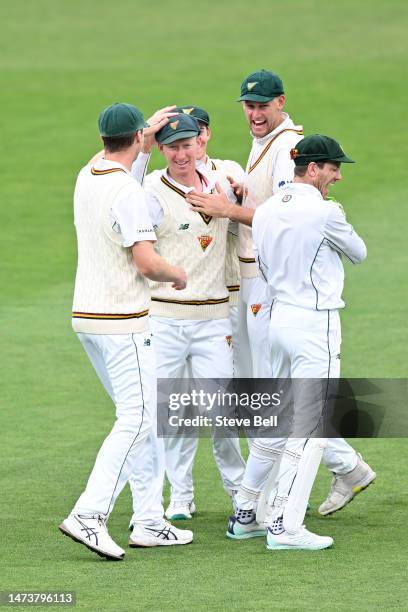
{"x":328,"y":175}
{"x":181,"y":156}
{"x":264,"y":117}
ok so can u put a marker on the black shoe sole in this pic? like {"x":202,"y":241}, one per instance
{"x":99,"y":553}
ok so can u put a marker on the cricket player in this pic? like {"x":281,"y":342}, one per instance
{"x":300,"y":238}
{"x":270,"y":169}
{"x":230,"y":170}
{"x":177,"y":449}
{"x":195,"y":327}
{"x":235,"y":174}
{"x":110,"y":315}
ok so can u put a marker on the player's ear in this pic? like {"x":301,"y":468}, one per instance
{"x":281,"y":101}
{"x":311,"y":169}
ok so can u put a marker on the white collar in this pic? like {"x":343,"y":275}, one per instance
{"x":108,"y":164}
{"x":305,"y":188}
{"x":208,"y":183}
{"x":286,"y":123}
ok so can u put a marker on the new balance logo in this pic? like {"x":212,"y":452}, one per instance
{"x":184,"y":226}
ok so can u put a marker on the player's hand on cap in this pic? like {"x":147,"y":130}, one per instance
{"x":180,"y":281}
{"x":158,"y":120}
{"x":212,"y":204}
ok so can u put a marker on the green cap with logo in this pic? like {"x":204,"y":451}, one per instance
{"x":180,"y":126}
{"x":318,"y":148}
{"x":195,"y":111}
{"x":120,"y":119}
{"x":261,"y":86}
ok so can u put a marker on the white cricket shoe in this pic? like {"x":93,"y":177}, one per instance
{"x":345,"y":487}
{"x":180,"y":510}
{"x":92,"y":532}
{"x":165,"y":535}
{"x":279,"y":539}
{"x":244,"y":526}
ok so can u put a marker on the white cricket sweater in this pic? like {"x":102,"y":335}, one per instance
{"x":110,"y":296}
{"x":269,"y":168}
{"x":197,"y":243}
{"x":227,"y":167}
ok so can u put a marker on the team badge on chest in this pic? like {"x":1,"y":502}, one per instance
{"x":255,"y":308}
{"x":229,"y":340}
{"x":204,"y":241}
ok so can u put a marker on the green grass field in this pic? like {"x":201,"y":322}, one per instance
{"x":343,"y":65}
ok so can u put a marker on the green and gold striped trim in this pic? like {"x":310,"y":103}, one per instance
{"x":205,"y":218}
{"x":192,"y":302}
{"x":268,"y":146}
{"x":232,"y":288}
{"x":246,"y":259}
{"x":109,"y":317}
{"x":109,"y":171}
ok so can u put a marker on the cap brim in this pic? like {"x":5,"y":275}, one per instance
{"x":178,"y":136}
{"x":257,"y":98}
{"x":344,"y":160}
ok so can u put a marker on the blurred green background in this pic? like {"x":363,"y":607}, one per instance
{"x":61,"y":62}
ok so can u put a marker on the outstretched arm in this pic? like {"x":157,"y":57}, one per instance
{"x":218,"y":205}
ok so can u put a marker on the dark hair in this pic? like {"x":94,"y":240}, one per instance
{"x":113,"y":144}
{"x":301,"y":170}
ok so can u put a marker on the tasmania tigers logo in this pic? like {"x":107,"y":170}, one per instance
{"x":229,"y":340}
{"x":255,"y":308}
{"x":204,"y":241}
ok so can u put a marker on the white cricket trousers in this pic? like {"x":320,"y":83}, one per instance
{"x":125,"y":364}
{"x":304,"y":344}
{"x":209,"y":351}
{"x":253,"y":361}
{"x":253,"y":358}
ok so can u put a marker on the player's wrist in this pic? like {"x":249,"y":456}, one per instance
{"x":232,"y":211}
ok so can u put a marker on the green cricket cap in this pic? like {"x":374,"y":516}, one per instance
{"x":195,"y":111}
{"x":261,"y":86}
{"x":318,"y":148}
{"x":120,"y":119}
{"x":180,"y":126}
